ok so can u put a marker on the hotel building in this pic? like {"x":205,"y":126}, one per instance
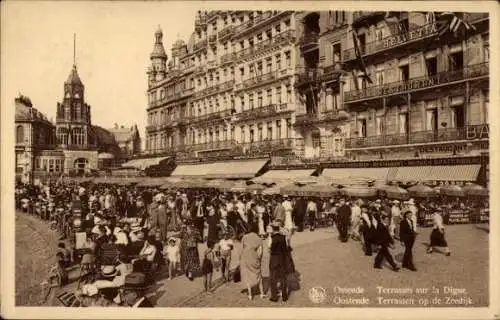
{"x":289,"y":87}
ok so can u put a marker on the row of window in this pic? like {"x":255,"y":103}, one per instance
{"x":433,"y":121}
{"x":77,"y":136}
{"x":49,"y":165}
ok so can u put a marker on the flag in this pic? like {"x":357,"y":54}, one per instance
{"x":357,"y":51}
{"x":454,"y":22}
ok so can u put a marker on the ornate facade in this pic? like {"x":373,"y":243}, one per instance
{"x":292,"y":85}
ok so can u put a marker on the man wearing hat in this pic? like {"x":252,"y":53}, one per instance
{"x":162,"y":218}
{"x":133,"y":291}
{"x":198,"y":215}
{"x":343,"y":220}
{"x":407,"y":234}
{"x":278,"y":269}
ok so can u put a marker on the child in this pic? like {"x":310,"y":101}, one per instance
{"x":173,"y":254}
{"x":225,"y":247}
{"x":209,"y":260}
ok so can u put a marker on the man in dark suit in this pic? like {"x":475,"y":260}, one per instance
{"x":343,"y":220}
{"x":384,"y":240}
{"x":299,"y":212}
{"x":198,"y":215}
{"x":278,"y":264}
{"x":133,"y":292}
{"x":407,"y":235}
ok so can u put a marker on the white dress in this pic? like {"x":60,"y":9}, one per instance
{"x":288,"y":215}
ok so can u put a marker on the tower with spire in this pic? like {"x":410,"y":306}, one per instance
{"x":73,"y":119}
{"x":158,"y":68}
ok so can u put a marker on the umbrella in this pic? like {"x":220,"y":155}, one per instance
{"x":395,"y":192}
{"x":361,"y":192}
{"x":319,"y":190}
{"x":219,"y":184}
{"x":241,"y":186}
{"x":475,"y":190}
{"x":452,"y":190}
{"x":272,"y":191}
{"x":421,"y":191}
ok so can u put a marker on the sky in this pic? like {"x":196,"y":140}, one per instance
{"x":113,"y":43}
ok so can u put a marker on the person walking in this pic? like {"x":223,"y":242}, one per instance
{"x":368,"y":228}
{"x":278,"y":263}
{"x":407,"y":234}
{"x":385,"y":241}
{"x":437,"y":238}
{"x":396,"y":219}
{"x":343,"y":220}
{"x":312,"y":214}
{"x":162,"y":218}
{"x":250,"y":261}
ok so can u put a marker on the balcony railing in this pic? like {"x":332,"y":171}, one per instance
{"x":304,"y":119}
{"x":309,"y":41}
{"x":200,"y":45}
{"x":308,"y":75}
{"x":288,"y":35}
{"x":227,"y":58}
{"x":470,"y":132}
{"x":266,"y":146}
{"x":226,"y":85}
{"x":260,"y":112}
{"x":211,"y":116}
{"x":393,"y":41}
{"x":260,"y":79}
{"x":360,"y":15}
{"x":227,"y":31}
{"x":187,"y":91}
{"x":332,"y":72}
{"x":420,"y":83}
{"x":250,"y":24}
{"x":214,"y":145}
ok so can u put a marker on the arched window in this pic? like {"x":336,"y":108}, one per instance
{"x":20,"y":134}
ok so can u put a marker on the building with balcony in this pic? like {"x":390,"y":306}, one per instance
{"x":232,"y":93}
{"x":292,"y":86}
{"x":320,"y":117}
{"x":429,"y":92}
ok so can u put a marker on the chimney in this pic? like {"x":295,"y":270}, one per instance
{"x":116,"y":125}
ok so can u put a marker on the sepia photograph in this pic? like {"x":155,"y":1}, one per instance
{"x":179,"y":156}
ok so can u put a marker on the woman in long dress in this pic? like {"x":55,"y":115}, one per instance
{"x":192,"y":258}
{"x":437,"y":234}
{"x":212,"y":223}
{"x":250,"y":261}
{"x":287,"y":205}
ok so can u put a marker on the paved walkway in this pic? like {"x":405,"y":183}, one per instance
{"x":178,"y":291}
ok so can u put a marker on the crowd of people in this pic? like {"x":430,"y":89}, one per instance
{"x":122,"y":236}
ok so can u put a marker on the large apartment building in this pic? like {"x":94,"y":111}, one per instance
{"x":229,"y":91}
{"x":314,"y":88}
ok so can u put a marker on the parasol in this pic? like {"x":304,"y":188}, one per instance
{"x":361,"y":192}
{"x":475,"y":190}
{"x":452,"y":190}
{"x":421,"y":191}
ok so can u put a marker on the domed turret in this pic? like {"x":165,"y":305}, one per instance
{"x":158,"y":50}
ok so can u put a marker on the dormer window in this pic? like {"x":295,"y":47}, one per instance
{"x":77,"y":96}
{"x":68,"y":95}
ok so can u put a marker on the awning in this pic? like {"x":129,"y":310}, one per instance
{"x":143,"y":163}
{"x":377,"y":174}
{"x":467,"y":172}
{"x":273,"y":176}
{"x":418,"y":173}
{"x":221,"y":170}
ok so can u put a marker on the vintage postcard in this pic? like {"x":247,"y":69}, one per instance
{"x":250,"y":160}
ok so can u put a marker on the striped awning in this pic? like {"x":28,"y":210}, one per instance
{"x":467,"y":172}
{"x":377,"y":174}
{"x":273,"y":176}
{"x":145,"y":163}
{"x":221,"y":170}
{"x":417,"y":173}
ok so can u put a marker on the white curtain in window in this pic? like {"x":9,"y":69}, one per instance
{"x":402,"y":123}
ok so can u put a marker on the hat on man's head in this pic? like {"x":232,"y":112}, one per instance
{"x":109,"y":271}
{"x":135,"y":281}
{"x":411,"y":201}
{"x":395,"y":201}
